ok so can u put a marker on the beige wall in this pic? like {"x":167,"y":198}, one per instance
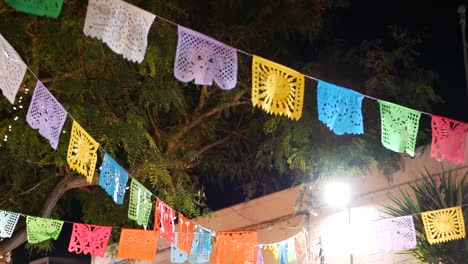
{"x":277,"y":210}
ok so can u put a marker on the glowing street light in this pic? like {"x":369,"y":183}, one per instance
{"x":337,"y":194}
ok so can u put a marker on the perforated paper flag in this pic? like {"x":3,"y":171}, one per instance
{"x":164,"y":217}
{"x":40,"y":229}
{"x":259,"y":256}
{"x":113,"y":178}
{"x":12,"y":70}
{"x":139,"y":207}
{"x":300,"y":243}
{"x":50,"y":8}
{"x":236,"y":247}
{"x":273,"y":249}
{"x":395,"y":234}
{"x":185,"y":234}
{"x":291,"y":249}
{"x":282,"y":249}
{"x":8,"y":221}
{"x":340,"y":108}
{"x":276,"y":88}
{"x":204,"y":60}
{"x":89,"y":239}
{"x":138,"y":244}
{"x":201,"y":247}
{"x":448,"y":139}
{"x":82,"y":152}
{"x":444,"y":225}
{"x":399,"y":127}
{"x":177,"y":255}
{"x":46,"y":114}
{"x":122,"y":26}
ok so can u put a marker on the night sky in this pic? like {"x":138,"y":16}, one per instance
{"x":441,"y":51}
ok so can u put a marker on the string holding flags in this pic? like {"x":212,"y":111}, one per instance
{"x":12,"y":70}
{"x":122,"y":26}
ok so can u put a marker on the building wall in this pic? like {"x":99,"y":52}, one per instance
{"x":275,"y":218}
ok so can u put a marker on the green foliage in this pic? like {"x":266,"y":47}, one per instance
{"x":432,"y":193}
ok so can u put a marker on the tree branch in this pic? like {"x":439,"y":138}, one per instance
{"x":214,"y":144}
{"x":200,"y":118}
{"x":156,"y":131}
{"x":65,"y":184}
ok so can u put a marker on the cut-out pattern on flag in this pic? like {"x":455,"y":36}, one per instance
{"x":399,"y":127}
{"x":444,"y":225}
{"x":46,"y":114}
{"x":138,"y":244}
{"x":236,"y":247}
{"x":340,"y":108}
{"x":185,"y":234}
{"x":177,"y":254}
{"x":82,"y":152}
{"x":259,"y":256}
{"x":276,"y":88}
{"x":164,"y":217}
{"x":291,"y":249}
{"x":89,"y":239}
{"x":8,"y":221}
{"x":282,"y":249}
{"x":12,"y":70}
{"x":201,"y":247}
{"x":50,"y":8}
{"x":204,"y":60}
{"x":273,"y":249}
{"x":139,"y":207}
{"x":300,"y":243}
{"x":448,"y":139}
{"x":113,"y":178}
{"x":40,"y":229}
{"x":395,"y":234}
{"x":122,"y":26}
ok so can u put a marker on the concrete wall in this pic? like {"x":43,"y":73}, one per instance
{"x":277,"y":211}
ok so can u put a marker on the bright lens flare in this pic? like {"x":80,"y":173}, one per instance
{"x":337,"y":194}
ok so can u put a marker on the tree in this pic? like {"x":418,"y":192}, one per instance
{"x":177,"y":138}
{"x":433,"y":193}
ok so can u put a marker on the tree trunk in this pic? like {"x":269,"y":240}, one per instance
{"x":64,"y":185}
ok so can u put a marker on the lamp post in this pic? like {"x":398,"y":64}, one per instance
{"x":338,"y":194}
